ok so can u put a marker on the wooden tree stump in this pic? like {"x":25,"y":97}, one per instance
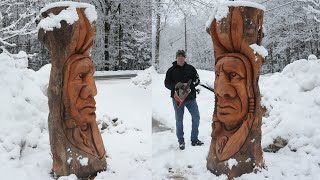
{"x":236,"y":128}
{"x":75,"y":140}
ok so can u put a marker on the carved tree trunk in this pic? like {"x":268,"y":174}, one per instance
{"x":236,"y":129}
{"x":76,"y":143}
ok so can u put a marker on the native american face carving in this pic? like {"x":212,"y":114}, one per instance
{"x":236,"y":126}
{"x":79,"y":115}
{"x":232,"y":97}
{"x":81,"y":90}
{"x":73,"y":130}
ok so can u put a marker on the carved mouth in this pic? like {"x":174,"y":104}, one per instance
{"x":225,"y":107}
{"x":89,"y":110}
{"x":93,"y":107}
{"x":224,"y":113}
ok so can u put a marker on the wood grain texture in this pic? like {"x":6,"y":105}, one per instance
{"x":236,"y":126}
{"x":73,"y":131}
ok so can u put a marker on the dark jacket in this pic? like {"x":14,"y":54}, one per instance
{"x":182,"y":74}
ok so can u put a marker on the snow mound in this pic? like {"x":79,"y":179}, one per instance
{"x":144,"y":78}
{"x":22,"y":59}
{"x":293,"y":106}
{"x":312,"y":57}
{"x":69,"y":14}
{"x":43,"y":75}
{"x":23,"y":115}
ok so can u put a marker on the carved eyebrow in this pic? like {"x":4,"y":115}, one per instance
{"x":218,"y":68}
{"x":84,"y":68}
{"x":80,"y":68}
{"x":235,"y":69}
{"x":89,"y":65}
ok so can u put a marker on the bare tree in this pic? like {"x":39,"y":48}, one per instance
{"x":17,"y":19}
{"x":182,"y":26}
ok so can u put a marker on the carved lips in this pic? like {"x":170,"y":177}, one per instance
{"x":88,"y":110}
{"x":88,"y":114}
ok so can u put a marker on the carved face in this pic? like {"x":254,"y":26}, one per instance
{"x":81,"y":89}
{"x":231,"y":92}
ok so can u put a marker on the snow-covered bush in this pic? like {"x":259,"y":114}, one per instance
{"x":24,"y":108}
{"x":144,"y":78}
{"x":312,"y":57}
{"x":293,"y":106}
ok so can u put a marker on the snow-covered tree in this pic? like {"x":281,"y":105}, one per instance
{"x":18,"y":21}
{"x":183,"y":27}
{"x":290,"y":34}
{"x":123,"y":32}
{"x":128,"y":35}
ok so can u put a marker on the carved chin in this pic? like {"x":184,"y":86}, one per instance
{"x":230,"y":121}
{"x":88,"y":114}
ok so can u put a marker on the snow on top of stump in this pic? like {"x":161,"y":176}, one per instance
{"x":221,"y":10}
{"x":244,"y":3}
{"x":69,"y":14}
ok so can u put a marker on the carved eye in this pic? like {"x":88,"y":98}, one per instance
{"x":217,"y":74}
{"x":234,"y":76}
{"x":79,"y":77}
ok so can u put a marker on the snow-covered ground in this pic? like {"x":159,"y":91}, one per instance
{"x":24,"y":140}
{"x":292,"y":100}
{"x":124,"y":113}
{"x":128,"y":143}
{"x":114,"y":73}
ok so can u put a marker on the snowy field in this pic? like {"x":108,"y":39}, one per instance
{"x":123,"y":112}
{"x":115,"y":73}
{"x":292,"y":100}
{"x":124,"y":107}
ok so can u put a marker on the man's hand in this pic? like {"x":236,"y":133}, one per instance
{"x":179,"y":85}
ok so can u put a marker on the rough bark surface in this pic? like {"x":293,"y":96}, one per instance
{"x":75,"y":140}
{"x":236,"y":126}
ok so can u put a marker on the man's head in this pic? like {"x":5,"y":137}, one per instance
{"x":181,"y":57}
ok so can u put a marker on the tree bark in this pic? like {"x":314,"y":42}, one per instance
{"x":236,"y":129}
{"x":67,"y":45}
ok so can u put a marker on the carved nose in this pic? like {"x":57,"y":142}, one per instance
{"x":89,"y":90}
{"x":224,"y":88}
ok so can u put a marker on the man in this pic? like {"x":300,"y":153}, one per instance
{"x":177,"y":76}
